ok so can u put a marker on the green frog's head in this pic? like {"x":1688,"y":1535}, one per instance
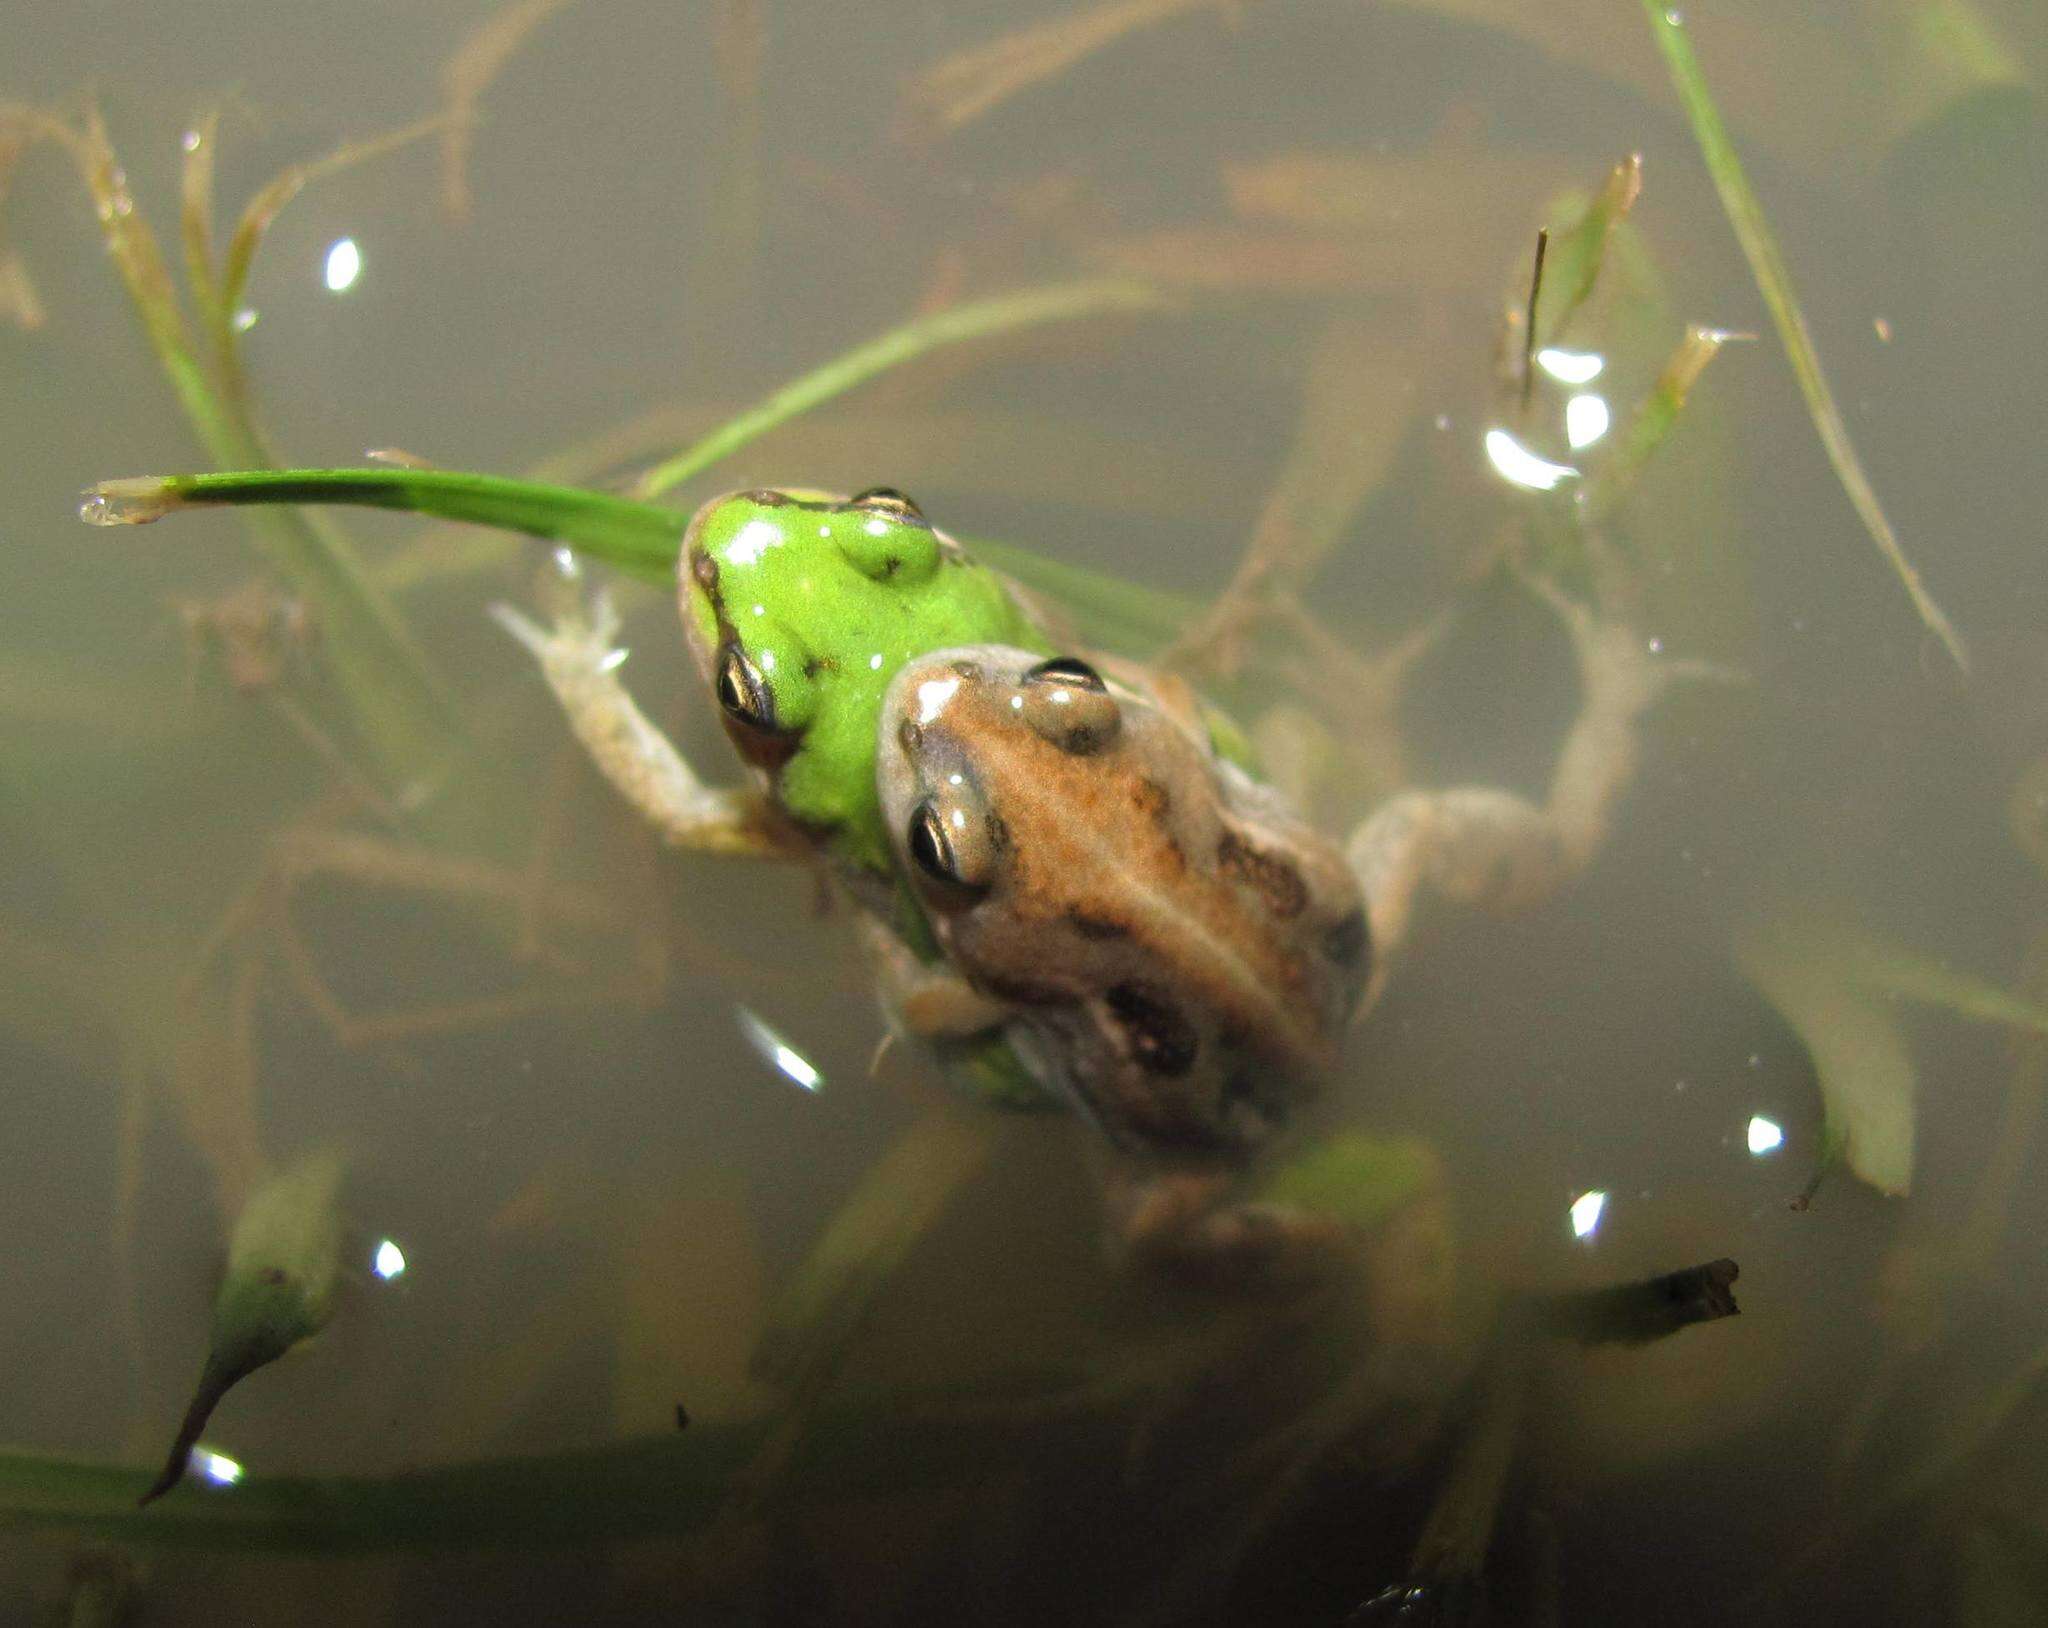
{"x":800,"y":607}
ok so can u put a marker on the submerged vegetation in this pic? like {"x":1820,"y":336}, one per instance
{"x":345,"y":767}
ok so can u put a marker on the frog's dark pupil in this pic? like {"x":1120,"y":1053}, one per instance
{"x":931,"y":848}
{"x":1066,"y":670}
{"x":886,"y":500}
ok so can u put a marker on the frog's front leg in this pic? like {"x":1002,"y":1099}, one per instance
{"x":928,"y":998}
{"x":1486,"y":846}
{"x":581,"y":662}
{"x":1177,"y":1220}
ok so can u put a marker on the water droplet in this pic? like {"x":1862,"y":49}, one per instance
{"x":1585,"y":1213}
{"x":126,"y":502}
{"x":342,"y":265}
{"x":191,"y":141}
{"x":1675,"y":17}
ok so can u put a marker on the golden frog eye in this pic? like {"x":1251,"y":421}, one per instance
{"x":1067,"y":703}
{"x":888,"y":503}
{"x":763,"y":737}
{"x":954,"y":851}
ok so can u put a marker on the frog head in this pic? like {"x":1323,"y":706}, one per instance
{"x":800,"y":607}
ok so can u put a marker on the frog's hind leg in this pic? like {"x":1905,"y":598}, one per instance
{"x":1177,"y":1221}
{"x":1485,"y":846}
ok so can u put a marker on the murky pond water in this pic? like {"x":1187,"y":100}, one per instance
{"x":616,"y":1149}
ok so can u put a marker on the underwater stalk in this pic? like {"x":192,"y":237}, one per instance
{"x":284,"y":1262}
{"x":1760,"y":247}
{"x":978,"y":319}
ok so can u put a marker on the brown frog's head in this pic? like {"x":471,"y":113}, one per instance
{"x":1180,"y":949}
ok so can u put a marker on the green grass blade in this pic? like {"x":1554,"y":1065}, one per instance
{"x":640,"y":538}
{"x":1128,"y":617}
{"x":1055,"y":302}
{"x":1774,"y":282}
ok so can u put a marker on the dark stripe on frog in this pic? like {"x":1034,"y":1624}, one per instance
{"x":1097,"y":929}
{"x":1273,"y":879}
{"x":1155,"y":803}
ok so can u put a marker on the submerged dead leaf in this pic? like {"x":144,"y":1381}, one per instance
{"x":1866,"y":1075}
{"x":1356,"y":406}
{"x":1455,"y":194}
{"x":969,"y":83}
{"x":1579,"y":250}
{"x":1837,"y":985}
{"x":289,"y":182}
{"x":1237,"y":260}
{"x":19,"y":302}
{"x":465,"y":77}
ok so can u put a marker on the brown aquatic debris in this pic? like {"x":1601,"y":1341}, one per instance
{"x":1637,"y":1313}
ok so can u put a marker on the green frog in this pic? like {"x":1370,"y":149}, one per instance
{"x":799,"y":608}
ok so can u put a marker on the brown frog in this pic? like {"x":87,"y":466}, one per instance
{"x":1162,"y":939}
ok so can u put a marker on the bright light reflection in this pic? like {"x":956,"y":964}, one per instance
{"x":1585,"y":420}
{"x":1765,"y":1135}
{"x":1586,"y":1210}
{"x":1518,"y":464}
{"x":932,"y":696}
{"x":755,"y":538}
{"x":1570,"y":366}
{"x":389,"y":1261}
{"x":218,"y":1468}
{"x":785,"y":1057}
{"x":344,"y":265}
